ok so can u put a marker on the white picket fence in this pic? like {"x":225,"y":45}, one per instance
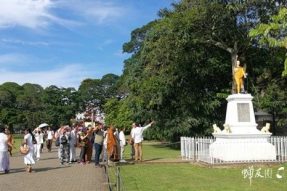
{"x":197,"y":149}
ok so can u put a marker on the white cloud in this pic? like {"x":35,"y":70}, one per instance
{"x":32,"y":14}
{"x":104,"y":12}
{"x":101,"y":46}
{"x":12,"y":59}
{"x":100,"y":12}
{"x":27,"y":13}
{"x":64,"y":76}
{"x":39,"y":14}
{"x":121,"y":54}
{"x":22,"y":68}
{"x":22,"y":42}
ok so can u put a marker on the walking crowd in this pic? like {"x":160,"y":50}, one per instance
{"x":107,"y":143}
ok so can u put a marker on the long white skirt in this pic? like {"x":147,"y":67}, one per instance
{"x":37,"y":150}
{"x":4,"y":161}
{"x":28,"y":158}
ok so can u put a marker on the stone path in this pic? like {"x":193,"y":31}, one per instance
{"x":49,"y":175}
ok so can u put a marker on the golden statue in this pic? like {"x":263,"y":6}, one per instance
{"x":239,"y":74}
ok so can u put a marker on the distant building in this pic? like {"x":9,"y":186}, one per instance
{"x":80,"y":116}
{"x":88,"y":116}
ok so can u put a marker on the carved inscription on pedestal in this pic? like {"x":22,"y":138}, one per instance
{"x":243,"y":112}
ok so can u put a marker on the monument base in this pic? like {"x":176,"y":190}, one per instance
{"x":244,"y":142}
{"x":240,"y":147}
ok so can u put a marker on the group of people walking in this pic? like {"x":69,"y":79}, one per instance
{"x":108,"y":144}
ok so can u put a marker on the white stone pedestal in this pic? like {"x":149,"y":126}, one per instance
{"x":245,"y":142}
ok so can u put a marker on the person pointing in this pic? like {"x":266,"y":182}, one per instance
{"x":137,"y":136}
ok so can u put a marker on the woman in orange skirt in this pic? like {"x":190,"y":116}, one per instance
{"x":10,"y":140}
{"x":112,"y":145}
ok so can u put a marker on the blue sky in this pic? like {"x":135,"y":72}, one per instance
{"x":62,"y":42}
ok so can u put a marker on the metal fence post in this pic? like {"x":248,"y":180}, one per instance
{"x":118,"y":178}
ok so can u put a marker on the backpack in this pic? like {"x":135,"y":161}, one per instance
{"x":57,"y":142}
{"x":82,"y":143}
{"x":34,"y":141}
{"x":64,"y":140}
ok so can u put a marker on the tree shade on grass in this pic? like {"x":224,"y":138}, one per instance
{"x":155,"y":151}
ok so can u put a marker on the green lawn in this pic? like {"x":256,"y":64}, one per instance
{"x":155,"y":151}
{"x":186,"y":176}
{"x":18,"y":138}
{"x":183,"y":177}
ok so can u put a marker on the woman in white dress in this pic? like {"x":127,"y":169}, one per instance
{"x":29,"y":138}
{"x":73,"y":143}
{"x":4,"y":156}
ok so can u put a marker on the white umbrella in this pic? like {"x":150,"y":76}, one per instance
{"x":43,"y":125}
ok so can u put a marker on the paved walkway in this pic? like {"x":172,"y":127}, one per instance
{"x":49,"y":175}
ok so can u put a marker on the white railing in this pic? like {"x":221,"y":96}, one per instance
{"x":197,"y":150}
{"x":280,"y":143}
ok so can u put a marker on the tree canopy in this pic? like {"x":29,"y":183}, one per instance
{"x":179,"y":72}
{"x":273,"y":33}
{"x":30,"y":104}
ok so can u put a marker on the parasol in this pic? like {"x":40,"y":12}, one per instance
{"x":43,"y":125}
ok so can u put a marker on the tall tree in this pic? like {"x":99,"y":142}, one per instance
{"x":273,"y":33}
{"x":95,"y":92}
{"x":179,"y":70}
{"x":60,"y":104}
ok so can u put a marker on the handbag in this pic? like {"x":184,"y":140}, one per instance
{"x":24,"y":149}
{"x":57,"y":142}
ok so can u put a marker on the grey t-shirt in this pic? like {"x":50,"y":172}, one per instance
{"x":99,"y":137}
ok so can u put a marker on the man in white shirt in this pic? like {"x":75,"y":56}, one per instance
{"x":122,"y":139}
{"x":137,"y":136}
{"x":50,"y":136}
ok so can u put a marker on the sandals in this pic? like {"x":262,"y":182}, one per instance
{"x":29,"y":169}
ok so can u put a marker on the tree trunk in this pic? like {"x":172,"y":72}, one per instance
{"x":274,"y":122}
{"x":233,"y":53}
